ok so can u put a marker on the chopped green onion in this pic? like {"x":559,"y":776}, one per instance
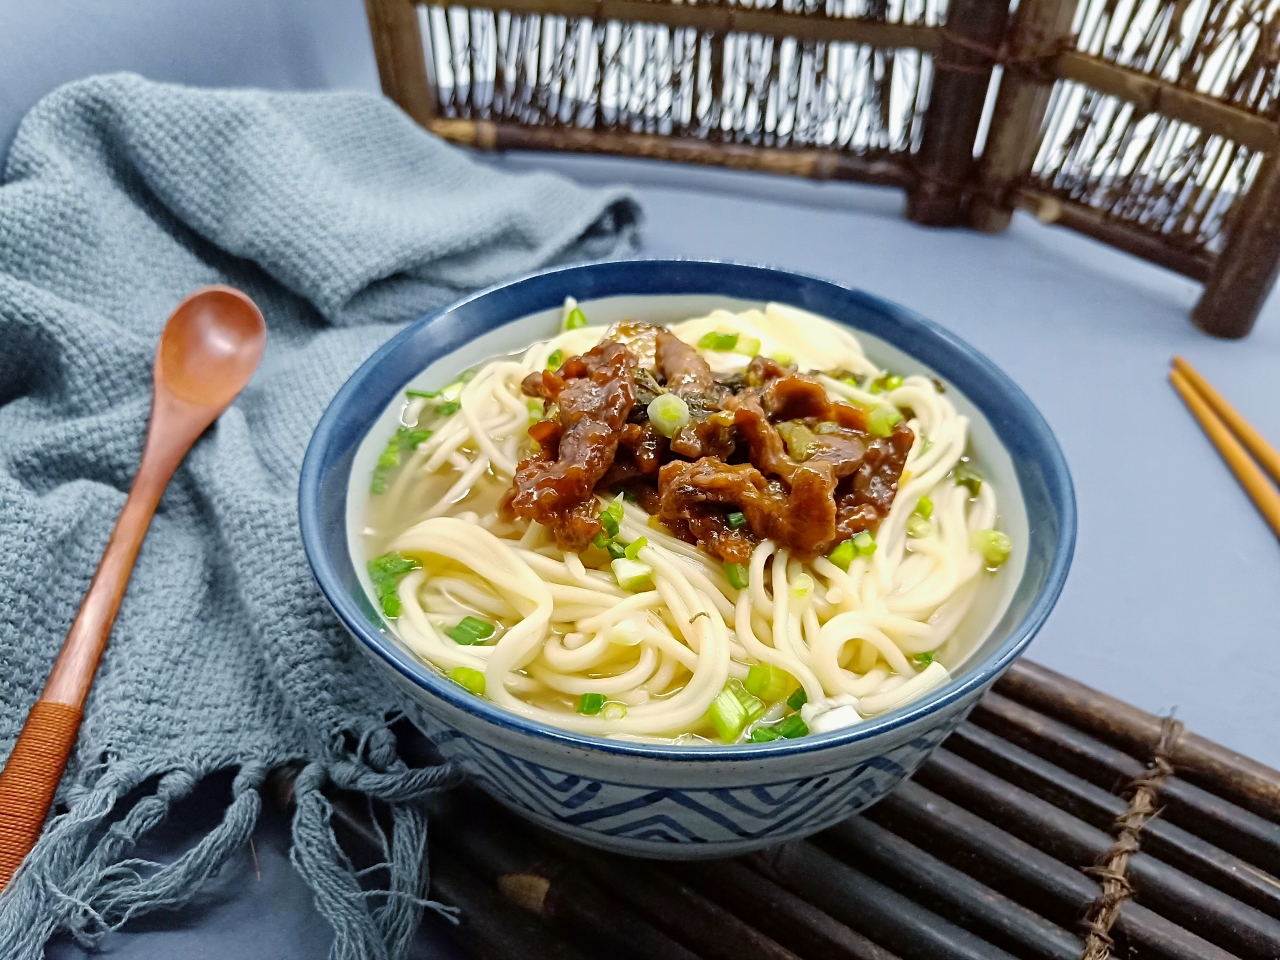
{"x":737,"y":575}
{"x":591,"y":703}
{"x":801,"y":588}
{"x":966,"y":476}
{"x":784,"y":359}
{"x":925,"y":444}
{"x":668,"y":413}
{"x":611,"y":516}
{"x":727,"y":715}
{"x":923,"y":659}
{"x":616,"y":550}
{"x":634,"y":547}
{"x":387,"y":461}
{"x":449,"y":409}
{"x":843,"y":555}
{"x":632,"y":574}
{"x":385,"y":572}
{"x":601,"y":541}
{"x":918,"y":526}
{"x":883,"y":419}
{"x":865,"y":544}
{"x":747,"y":346}
{"x":470,"y":631}
{"x":994,"y":546}
{"x":892,"y":381}
{"x":924,"y":507}
{"x":555,"y":360}
{"x":792,"y":727}
{"x":736,"y":520}
{"x":768,"y":682}
{"x":797,"y":699}
{"x":473,"y":680}
{"x":536,"y":410}
{"x":576,"y":320}
{"x":719,"y":341}
{"x":422,"y":394}
{"x":764,"y":735}
{"x":614,"y":710}
{"x":750,"y":703}
{"x":799,"y":439}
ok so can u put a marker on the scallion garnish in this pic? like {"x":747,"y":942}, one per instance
{"x":471,"y":631}
{"x":918,"y":526}
{"x":616,"y":550}
{"x":449,"y":409}
{"x":555,"y":360}
{"x":864,"y":543}
{"x":719,"y":341}
{"x":792,"y":727}
{"x":923,"y":659}
{"x":422,"y":394}
{"x":883,"y":419}
{"x":611,"y":517}
{"x":634,"y":547}
{"x":631,"y":574}
{"x":747,"y":346}
{"x":924,"y":507}
{"x":966,"y":476}
{"x":737,"y":575}
{"x":736,"y":520}
{"x":768,"y":682}
{"x":590,"y":704}
{"x":614,"y":710}
{"x":727,"y":715}
{"x":668,"y":413}
{"x":576,"y":320}
{"x":467,"y":677}
{"x":764,"y":735}
{"x":843,"y":554}
{"x":994,"y":546}
{"x":385,"y":572}
{"x":797,"y":699}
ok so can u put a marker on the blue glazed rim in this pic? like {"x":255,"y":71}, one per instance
{"x":322,"y":493}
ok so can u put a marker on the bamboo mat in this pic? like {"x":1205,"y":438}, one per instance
{"x":1052,"y":812}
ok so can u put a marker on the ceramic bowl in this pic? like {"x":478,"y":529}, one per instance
{"x":677,"y":802}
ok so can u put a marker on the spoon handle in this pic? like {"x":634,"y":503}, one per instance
{"x":34,"y":768}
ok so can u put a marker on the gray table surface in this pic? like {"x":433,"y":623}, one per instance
{"x":1172,"y":602}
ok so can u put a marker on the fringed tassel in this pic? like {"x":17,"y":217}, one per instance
{"x":66,"y":885}
{"x":72,"y":882}
{"x":362,"y":931}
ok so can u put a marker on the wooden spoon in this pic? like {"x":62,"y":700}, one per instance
{"x":209,"y":349}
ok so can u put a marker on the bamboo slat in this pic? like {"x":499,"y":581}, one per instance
{"x":816,"y":164}
{"x":1153,"y":95}
{"x":982,"y":854}
{"x":726,"y":19}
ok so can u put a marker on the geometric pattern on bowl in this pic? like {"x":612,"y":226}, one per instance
{"x":633,"y":819}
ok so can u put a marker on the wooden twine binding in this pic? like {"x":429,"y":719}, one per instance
{"x":1035,"y":65}
{"x":1111,"y":867}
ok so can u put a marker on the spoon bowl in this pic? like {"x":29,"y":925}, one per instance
{"x":211,"y":346}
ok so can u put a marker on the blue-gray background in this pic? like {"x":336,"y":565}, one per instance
{"x":1174,"y":599}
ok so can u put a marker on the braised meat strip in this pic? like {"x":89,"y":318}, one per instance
{"x":767,"y":443}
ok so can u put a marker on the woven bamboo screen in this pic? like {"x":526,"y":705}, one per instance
{"x":1147,"y":124}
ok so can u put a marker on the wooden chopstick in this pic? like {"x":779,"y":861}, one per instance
{"x":1263,"y":452}
{"x":1242,"y":465}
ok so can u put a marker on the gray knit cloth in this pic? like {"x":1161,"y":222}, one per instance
{"x":342,"y":220}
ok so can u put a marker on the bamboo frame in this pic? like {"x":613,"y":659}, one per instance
{"x":944,"y":182}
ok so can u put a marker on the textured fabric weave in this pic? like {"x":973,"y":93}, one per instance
{"x":342,"y":220}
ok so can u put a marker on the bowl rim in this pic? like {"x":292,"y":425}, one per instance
{"x":436,"y":685}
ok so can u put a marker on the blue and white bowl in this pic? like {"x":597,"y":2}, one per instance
{"x":677,"y":802}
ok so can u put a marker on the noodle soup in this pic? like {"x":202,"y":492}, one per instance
{"x":735,"y":528}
